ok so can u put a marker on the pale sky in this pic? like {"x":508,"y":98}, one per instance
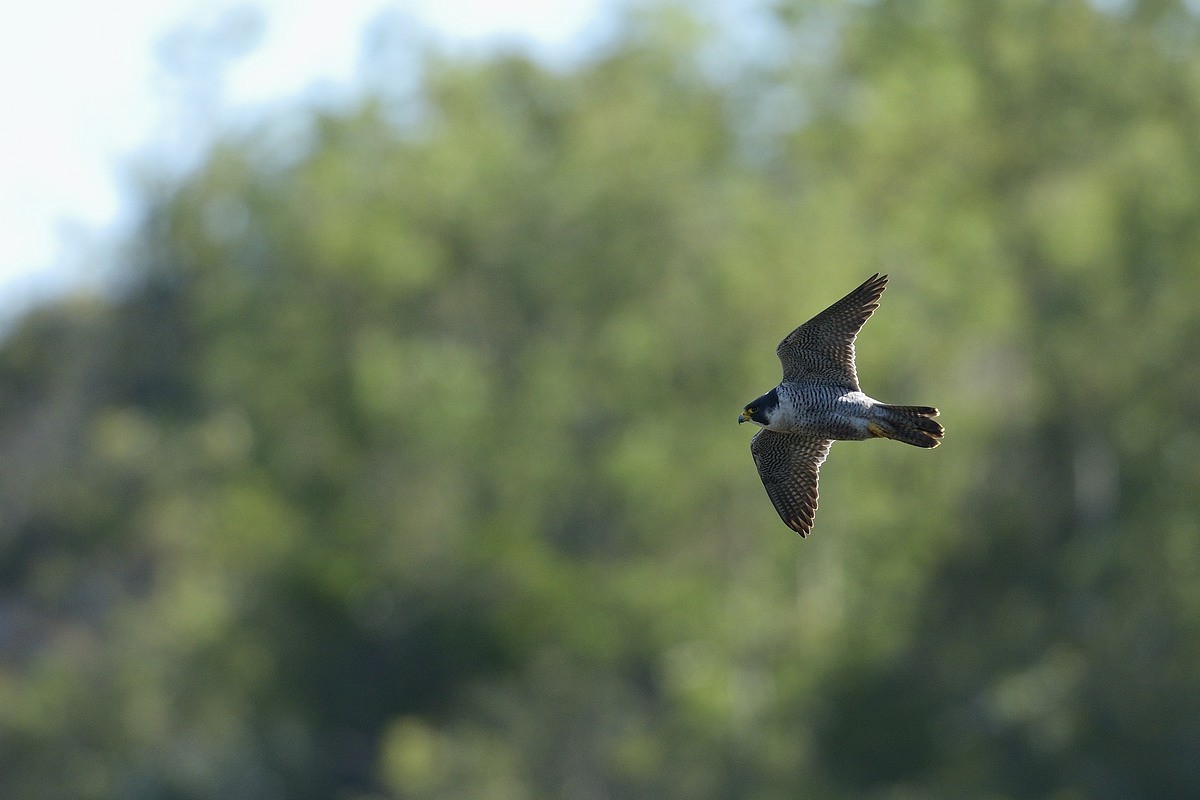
{"x":84,"y":91}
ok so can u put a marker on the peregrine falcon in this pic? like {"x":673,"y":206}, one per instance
{"x":819,"y":402}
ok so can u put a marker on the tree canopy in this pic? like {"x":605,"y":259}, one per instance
{"x":403,"y":464}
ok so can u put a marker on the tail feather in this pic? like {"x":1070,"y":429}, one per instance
{"x":909,"y":424}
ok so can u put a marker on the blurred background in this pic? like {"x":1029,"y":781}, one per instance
{"x":379,"y":440}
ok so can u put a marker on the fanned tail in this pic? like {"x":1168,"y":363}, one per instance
{"x":909,"y":424}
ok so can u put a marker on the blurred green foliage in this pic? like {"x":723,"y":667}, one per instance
{"x":404,"y":464}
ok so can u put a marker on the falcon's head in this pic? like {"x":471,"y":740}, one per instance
{"x":760,"y":411}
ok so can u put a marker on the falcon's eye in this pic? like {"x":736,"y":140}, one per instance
{"x":751,"y":410}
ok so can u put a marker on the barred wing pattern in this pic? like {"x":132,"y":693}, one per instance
{"x":788,"y":464}
{"x":823,"y":347}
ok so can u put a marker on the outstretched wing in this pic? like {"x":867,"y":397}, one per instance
{"x":823,"y":347}
{"x":788,"y":464}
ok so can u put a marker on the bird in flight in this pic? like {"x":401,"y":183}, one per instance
{"x":819,"y":402}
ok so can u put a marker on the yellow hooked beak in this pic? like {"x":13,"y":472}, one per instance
{"x":742,"y":418}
